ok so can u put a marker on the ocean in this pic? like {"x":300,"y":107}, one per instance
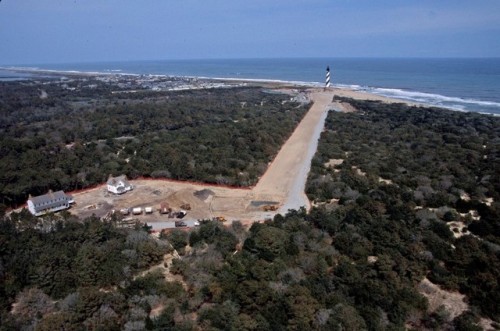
{"x":458,"y":84}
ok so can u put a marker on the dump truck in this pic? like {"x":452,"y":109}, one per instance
{"x":165,"y":208}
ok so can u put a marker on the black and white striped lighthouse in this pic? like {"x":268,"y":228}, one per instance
{"x":327,"y":81}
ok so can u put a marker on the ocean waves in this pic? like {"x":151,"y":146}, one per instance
{"x":431,"y":99}
{"x":458,"y":84}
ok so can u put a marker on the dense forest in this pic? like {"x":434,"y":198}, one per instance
{"x":297,"y":272}
{"x":406,"y":178}
{"x":355,"y":262}
{"x":442,"y":162}
{"x":73,"y":134}
{"x":75,"y":275}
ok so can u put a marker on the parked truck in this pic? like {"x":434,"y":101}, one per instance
{"x":180,"y":224}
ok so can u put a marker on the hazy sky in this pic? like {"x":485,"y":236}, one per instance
{"x":55,"y":31}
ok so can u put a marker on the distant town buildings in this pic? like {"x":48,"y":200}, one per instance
{"x":118,"y":185}
{"x":49,"y":203}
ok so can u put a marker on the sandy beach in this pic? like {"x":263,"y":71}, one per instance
{"x":358,"y":95}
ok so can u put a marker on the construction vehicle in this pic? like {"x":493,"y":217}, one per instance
{"x":220,"y":219}
{"x":270,"y":208}
{"x":165,"y":208}
{"x":181,"y":214}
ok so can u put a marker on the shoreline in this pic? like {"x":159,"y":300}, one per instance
{"x":411,"y":98}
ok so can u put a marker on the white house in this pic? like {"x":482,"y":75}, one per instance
{"x":118,"y":185}
{"x":49,"y":203}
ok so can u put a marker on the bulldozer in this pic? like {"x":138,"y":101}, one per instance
{"x":270,"y":208}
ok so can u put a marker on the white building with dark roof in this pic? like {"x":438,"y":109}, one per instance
{"x":118,"y":185}
{"x":49,"y":203}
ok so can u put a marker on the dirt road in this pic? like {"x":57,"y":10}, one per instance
{"x":286,"y":177}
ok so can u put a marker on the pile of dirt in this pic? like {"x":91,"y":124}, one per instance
{"x":204,"y":194}
{"x":184,"y":196}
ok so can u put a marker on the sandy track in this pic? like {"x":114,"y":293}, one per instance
{"x":286,"y":177}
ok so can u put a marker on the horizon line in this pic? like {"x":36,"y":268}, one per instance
{"x":265,"y":58}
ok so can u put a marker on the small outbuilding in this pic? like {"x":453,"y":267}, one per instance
{"x":118,"y":185}
{"x":49,"y":203}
